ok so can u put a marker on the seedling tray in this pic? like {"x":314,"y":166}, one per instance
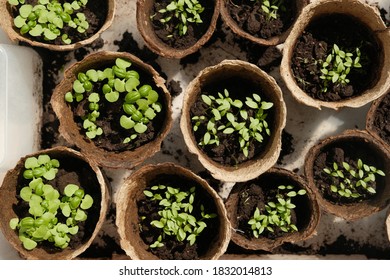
{"x":335,"y":238}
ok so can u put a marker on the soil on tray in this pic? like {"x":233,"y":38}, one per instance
{"x":256,"y":194}
{"x":381,"y":119}
{"x":170,"y":35}
{"x":110,"y":113}
{"x":95,"y":13}
{"x":71,"y":171}
{"x":174,"y":249}
{"x":316,"y":43}
{"x":349,"y":153}
{"x":250,"y":17}
{"x":229,"y":152}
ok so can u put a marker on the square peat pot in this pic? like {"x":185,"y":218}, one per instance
{"x":20,"y":104}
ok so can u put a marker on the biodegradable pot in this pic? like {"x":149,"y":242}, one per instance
{"x":231,"y":71}
{"x":9,"y":199}
{"x":71,"y":132}
{"x":307,"y":210}
{"x":6,"y":22}
{"x":355,"y":144}
{"x":131,"y":192}
{"x":361,"y":12}
{"x":272,"y":41}
{"x":377,"y":121}
{"x":154,"y":43}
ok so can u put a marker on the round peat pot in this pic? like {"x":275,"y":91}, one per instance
{"x":99,"y":15}
{"x":277,"y":185}
{"x":350,"y":174}
{"x":336,"y":55}
{"x":160,"y":40}
{"x":118,"y":143}
{"x":248,"y":20}
{"x":136,"y":208}
{"x":74,"y":168}
{"x":243,"y":139}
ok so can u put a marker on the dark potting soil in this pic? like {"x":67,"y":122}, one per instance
{"x":71,"y":171}
{"x":174,"y":249}
{"x":287,"y":146}
{"x":382,"y":119}
{"x":95,"y":13}
{"x":228,"y":152}
{"x":250,"y":17}
{"x":348,"y":152}
{"x":110,"y":113}
{"x":316,"y":43}
{"x":170,"y":35}
{"x":257,"y":193}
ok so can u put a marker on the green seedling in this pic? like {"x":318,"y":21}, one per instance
{"x":350,"y":182}
{"x":184,"y":12}
{"x":277,"y":214}
{"x":176,"y":213}
{"x":118,"y":83}
{"x":271,"y":7}
{"x":48,"y":18}
{"x":232,"y":117}
{"x":337,"y":66}
{"x":46,"y":206}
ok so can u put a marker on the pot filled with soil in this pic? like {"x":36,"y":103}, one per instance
{"x":56,"y":24}
{"x":54,"y":203}
{"x":378,"y":116}
{"x":336,"y":55}
{"x":266,"y":22}
{"x":165,"y":211}
{"x":274,"y":208}
{"x":175,"y":29}
{"x":232,"y":119}
{"x":350,"y":174}
{"x":114,"y":107}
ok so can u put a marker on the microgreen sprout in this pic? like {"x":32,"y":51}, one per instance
{"x":271,"y":7}
{"x":177,"y":218}
{"x":338,"y":65}
{"x":116,"y":84}
{"x":182,"y":12}
{"x":353,"y":182}
{"x":233,"y":117}
{"x":277,"y":214}
{"x":45,"y":203}
{"x":48,"y":18}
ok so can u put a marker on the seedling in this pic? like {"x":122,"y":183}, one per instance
{"x":233,"y":117}
{"x":48,"y":18}
{"x":116,"y":84}
{"x":46,"y":206}
{"x":337,"y":66}
{"x":271,"y":7}
{"x":182,"y":13}
{"x":177,"y":214}
{"x":277,"y":213}
{"x":353,"y":182}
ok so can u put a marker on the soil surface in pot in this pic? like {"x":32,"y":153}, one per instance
{"x":71,"y":171}
{"x":229,"y":152}
{"x":250,"y":17}
{"x":381,"y":119}
{"x":349,"y":153}
{"x":170,"y":35}
{"x":110,"y":113}
{"x":316,"y":43}
{"x":259,"y":193}
{"x":174,"y":249}
{"x":95,"y":12}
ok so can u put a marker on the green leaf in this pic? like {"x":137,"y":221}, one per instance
{"x":70,"y":189}
{"x":228,"y":130}
{"x":206,"y":99}
{"x":157,"y":224}
{"x":112,"y":96}
{"x":13,"y":223}
{"x":66,"y":210}
{"x":126,"y":122}
{"x":29,"y":244}
{"x":140,"y":128}
{"x":206,"y":138}
{"x":31,"y":162}
{"x":251,"y":104}
{"x":87,"y":202}
{"x":50,"y":174}
{"x":266,"y":105}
